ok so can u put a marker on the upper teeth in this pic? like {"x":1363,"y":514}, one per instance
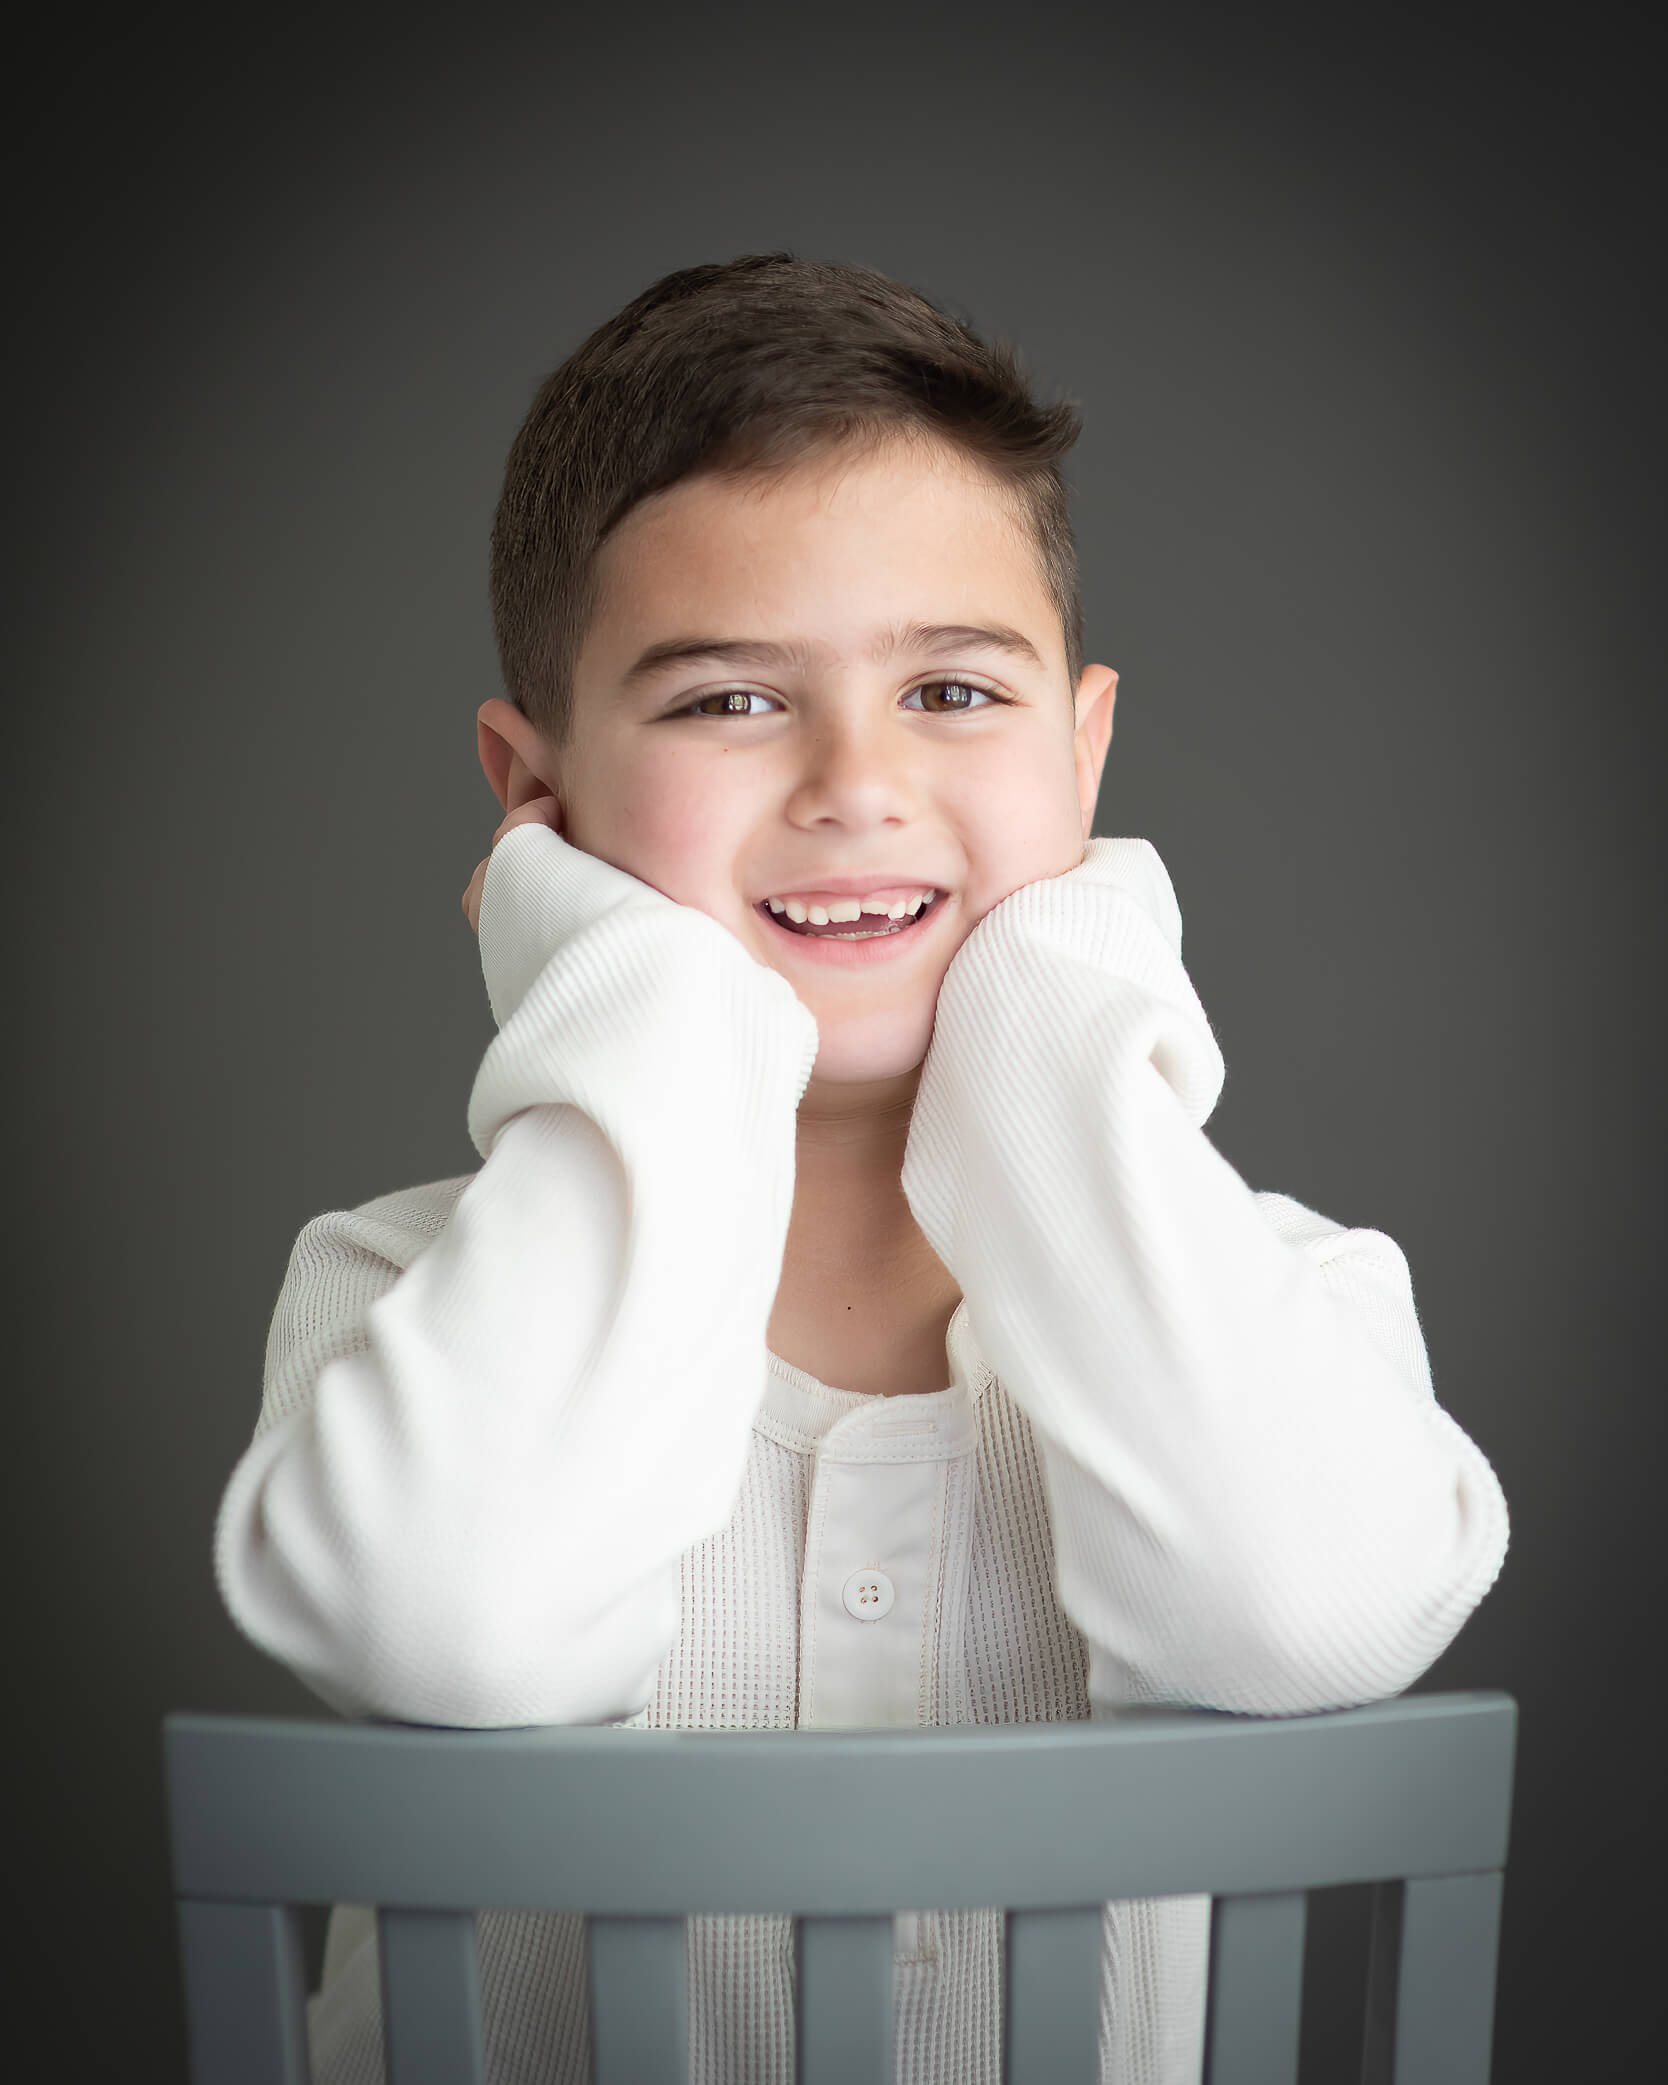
{"x":848,"y":908}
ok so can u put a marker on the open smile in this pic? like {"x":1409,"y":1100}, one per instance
{"x":860,"y":941}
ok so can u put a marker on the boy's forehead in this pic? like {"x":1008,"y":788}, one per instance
{"x":836,"y":481}
{"x":898,"y":549}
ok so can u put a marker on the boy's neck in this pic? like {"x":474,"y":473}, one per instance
{"x":849,"y":1207}
{"x":864,"y":1302}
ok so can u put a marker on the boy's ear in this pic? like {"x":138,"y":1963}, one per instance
{"x":517,"y":763}
{"x":1097,"y":691}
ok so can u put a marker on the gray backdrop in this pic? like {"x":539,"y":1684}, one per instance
{"x":1363,"y":326}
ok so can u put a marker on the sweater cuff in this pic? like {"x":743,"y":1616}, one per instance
{"x":540,"y":891}
{"x":641,"y":1012}
{"x":1114,"y":917}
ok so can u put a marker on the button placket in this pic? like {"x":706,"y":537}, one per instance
{"x":862,"y":1653}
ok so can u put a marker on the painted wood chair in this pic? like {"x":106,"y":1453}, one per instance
{"x":638,"y":1829}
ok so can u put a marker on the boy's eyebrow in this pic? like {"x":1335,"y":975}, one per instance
{"x":751,"y":651}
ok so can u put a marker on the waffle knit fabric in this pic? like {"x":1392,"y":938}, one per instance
{"x":524,"y":1456}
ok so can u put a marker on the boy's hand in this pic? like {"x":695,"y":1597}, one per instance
{"x":538,"y":810}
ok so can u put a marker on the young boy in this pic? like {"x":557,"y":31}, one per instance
{"x":850,"y":1322}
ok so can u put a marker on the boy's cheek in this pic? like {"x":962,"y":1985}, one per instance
{"x":1043,"y":873}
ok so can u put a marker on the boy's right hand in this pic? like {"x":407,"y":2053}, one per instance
{"x":525,"y":901}
{"x":534,"y":892}
{"x":538,"y":810}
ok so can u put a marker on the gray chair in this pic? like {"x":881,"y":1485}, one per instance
{"x":638,"y":1829}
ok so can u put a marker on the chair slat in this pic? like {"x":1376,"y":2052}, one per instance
{"x":1254,"y":2007}
{"x":246,"y":1995}
{"x":431,"y":1997}
{"x":639,"y":2002}
{"x":1448,"y":1950}
{"x":1384,"y":1962}
{"x":843,"y":2005}
{"x":1051,"y":1996}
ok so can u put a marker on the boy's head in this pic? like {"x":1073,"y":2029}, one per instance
{"x":812,"y":462}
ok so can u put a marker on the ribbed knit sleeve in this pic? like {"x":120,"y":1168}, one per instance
{"x":1257,"y":1503}
{"x":483,"y":1453}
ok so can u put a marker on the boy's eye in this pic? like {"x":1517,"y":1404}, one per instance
{"x":959,"y":689}
{"x":735,"y":699}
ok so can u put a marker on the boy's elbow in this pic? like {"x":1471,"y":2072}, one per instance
{"x":1283,"y":1628}
{"x":439,"y":1627}
{"x":1336,"y":1638}
{"x":498,"y":1664}
{"x":480,"y":1694}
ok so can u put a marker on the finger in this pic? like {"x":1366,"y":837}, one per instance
{"x":538,"y":810}
{"x":472,"y":898}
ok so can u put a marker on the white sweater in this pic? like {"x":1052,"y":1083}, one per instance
{"x":524,"y":1457}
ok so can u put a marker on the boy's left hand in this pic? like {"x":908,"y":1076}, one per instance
{"x":538,"y":810}
{"x":1129,"y":865}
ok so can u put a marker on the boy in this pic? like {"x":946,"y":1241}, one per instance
{"x":850,"y":1322}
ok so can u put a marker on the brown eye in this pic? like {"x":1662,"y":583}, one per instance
{"x":967,"y":689}
{"x":734,"y":699}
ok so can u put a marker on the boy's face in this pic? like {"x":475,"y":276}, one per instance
{"x":850,"y":759}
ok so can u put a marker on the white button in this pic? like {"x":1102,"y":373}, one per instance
{"x":868,"y":1594}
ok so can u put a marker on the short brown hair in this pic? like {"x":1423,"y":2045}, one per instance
{"x":743,"y":368}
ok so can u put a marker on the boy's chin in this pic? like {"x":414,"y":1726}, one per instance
{"x":855,"y":1052}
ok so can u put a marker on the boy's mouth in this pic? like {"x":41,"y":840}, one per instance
{"x":872,"y":927}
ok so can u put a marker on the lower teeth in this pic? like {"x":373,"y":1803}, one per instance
{"x":862,"y":933}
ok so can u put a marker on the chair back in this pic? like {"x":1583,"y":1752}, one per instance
{"x":637,"y":1830}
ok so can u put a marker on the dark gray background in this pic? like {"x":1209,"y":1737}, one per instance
{"x":1364,"y":321}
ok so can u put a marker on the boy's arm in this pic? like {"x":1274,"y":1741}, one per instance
{"x":1257,"y":1503}
{"x":483,"y":1451}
